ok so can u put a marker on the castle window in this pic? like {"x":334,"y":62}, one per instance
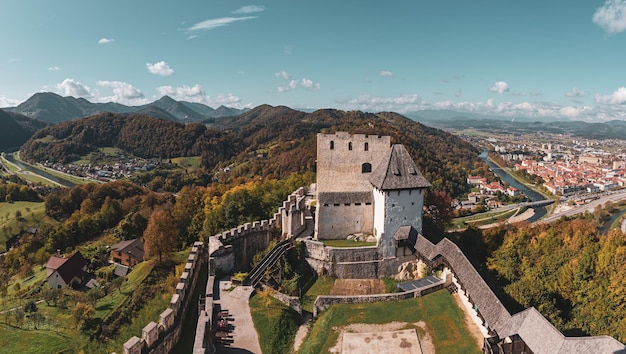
{"x":332,"y":145}
{"x":357,"y":204}
{"x":336,"y":204}
{"x":350,"y":146}
{"x":346,"y":204}
{"x":367,"y":147}
{"x":366,"y":168}
{"x":368,"y":203}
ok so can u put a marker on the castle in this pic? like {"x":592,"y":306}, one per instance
{"x":365,"y":185}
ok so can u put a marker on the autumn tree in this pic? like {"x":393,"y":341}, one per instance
{"x":161,"y":235}
{"x":439,"y":212}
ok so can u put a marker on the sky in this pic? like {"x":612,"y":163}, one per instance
{"x":563,"y":59}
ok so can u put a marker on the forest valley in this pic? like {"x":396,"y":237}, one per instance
{"x":569,"y":271}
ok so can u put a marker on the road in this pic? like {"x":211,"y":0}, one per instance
{"x":613,"y":197}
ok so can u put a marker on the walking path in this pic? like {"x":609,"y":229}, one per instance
{"x":235,"y":301}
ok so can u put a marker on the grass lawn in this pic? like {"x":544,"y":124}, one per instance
{"x":190,"y":163}
{"x":16,"y":340}
{"x":10,"y":225}
{"x":322,"y":286}
{"x":444,"y":321}
{"x":275,"y":323}
{"x":11,"y":167}
{"x":482,"y":218}
{"x":347,"y":243}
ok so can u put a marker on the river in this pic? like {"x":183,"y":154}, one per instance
{"x":38,"y":172}
{"x":507,"y":178}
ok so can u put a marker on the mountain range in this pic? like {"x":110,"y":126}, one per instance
{"x":15,"y":129}
{"x":52,"y":108}
{"x":264,"y":141}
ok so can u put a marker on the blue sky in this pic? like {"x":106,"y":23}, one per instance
{"x":533,"y":58}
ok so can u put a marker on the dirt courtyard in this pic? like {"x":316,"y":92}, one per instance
{"x":358,"y":287}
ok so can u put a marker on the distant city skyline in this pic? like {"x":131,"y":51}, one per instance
{"x":562,"y":59}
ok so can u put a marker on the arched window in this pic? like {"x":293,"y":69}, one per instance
{"x":332,"y":145}
{"x":366,"y":168}
{"x":367,"y":146}
{"x":350,"y":146}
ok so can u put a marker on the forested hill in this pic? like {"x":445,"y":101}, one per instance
{"x":16,"y":129}
{"x":138,"y":135}
{"x":265,"y":141}
{"x":289,"y":137}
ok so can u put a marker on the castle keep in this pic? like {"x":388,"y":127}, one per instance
{"x":365,"y":185}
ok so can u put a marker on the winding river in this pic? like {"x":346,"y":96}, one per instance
{"x":506,"y":177}
{"x":36,"y":171}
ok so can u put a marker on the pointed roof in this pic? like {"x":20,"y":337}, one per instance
{"x":134,"y":247}
{"x":398,"y":171}
{"x":68,"y":268}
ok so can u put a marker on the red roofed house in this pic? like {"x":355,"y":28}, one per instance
{"x":128,"y":253}
{"x":62,"y":272}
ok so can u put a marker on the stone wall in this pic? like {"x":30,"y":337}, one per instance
{"x":291,"y":301}
{"x":234,"y":249}
{"x":324,"y":302}
{"x":353,"y":263}
{"x":162,"y":337}
{"x":339,"y":167}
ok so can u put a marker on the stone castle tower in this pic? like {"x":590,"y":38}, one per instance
{"x":365,"y":185}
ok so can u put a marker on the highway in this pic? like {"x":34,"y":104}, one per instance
{"x":612,"y":197}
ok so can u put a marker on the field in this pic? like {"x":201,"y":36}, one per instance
{"x":443,"y":322}
{"x":56,"y":330}
{"x":10,"y":225}
{"x":347,"y":243}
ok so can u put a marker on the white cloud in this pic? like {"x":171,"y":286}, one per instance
{"x":306,"y":83}
{"x":217,"y":22}
{"x":386,"y":73}
{"x":71,"y":87}
{"x":404,"y":103}
{"x":575,"y":93}
{"x":611,"y":16}
{"x":250,"y":9}
{"x":8,"y":102}
{"x":500,"y":87}
{"x":54,"y":68}
{"x":617,"y":97}
{"x":228,"y":100}
{"x":184,"y":93}
{"x":292,"y":85}
{"x":197,"y":94}
{"x":106,"y":40}
{"x":160,"y":68}
{"x":123,"y":92}
{"x":283,"y":74}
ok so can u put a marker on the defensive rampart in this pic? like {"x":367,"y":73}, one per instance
{"x":250,"y":238}
{"x":160,"y":338}
{"x":353,"y":262}
{"x":323,"y":302}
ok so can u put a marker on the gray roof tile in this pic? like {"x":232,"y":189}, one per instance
{"x":397,"y":170}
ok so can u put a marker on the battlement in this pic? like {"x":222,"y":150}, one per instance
{"x":162,"y":336}
{"x":294,"y":202}
{"x":250,"y":238}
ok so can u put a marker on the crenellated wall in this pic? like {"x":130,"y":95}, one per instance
{"x":234,"y":249}
{"x":162,"y":337}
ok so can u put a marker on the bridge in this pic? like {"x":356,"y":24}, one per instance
{"x":538,"y":203}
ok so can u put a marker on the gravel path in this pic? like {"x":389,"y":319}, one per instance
{"x":244,"y":336}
